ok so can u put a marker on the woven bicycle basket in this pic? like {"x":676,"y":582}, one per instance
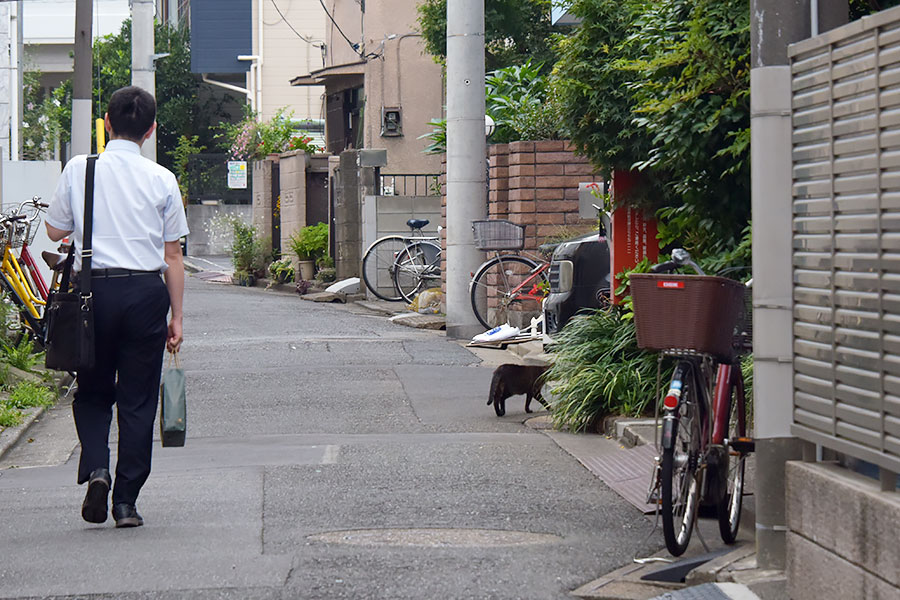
{"x":498,"y":234}
{"x":686,"y":312}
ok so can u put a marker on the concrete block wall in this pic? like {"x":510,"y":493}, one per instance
{"x":292,"y":177}
{"x":262,"y":197}
{"x":211,"y":231}
{"x":347,"y":216}
{"x":842,"y":538}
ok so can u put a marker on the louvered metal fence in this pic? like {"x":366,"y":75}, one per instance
{"x":846,"y":239}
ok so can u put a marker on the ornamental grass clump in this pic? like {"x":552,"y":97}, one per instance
{"x":599,"y":371}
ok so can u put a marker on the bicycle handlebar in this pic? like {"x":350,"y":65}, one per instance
{"x":665,"y":267}
{"x":680,"y":258}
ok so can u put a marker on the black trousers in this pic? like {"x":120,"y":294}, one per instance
{"x":130,"y":328}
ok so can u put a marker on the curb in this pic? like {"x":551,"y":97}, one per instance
{"x":11,"y":435}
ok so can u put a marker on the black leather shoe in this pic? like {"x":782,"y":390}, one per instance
{"x":126,"y":515}
{"x":94,"y":508}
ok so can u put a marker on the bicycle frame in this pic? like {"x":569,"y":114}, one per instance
{"x":533,"y":293}
{"x":16,"y":277}
{"x":728,"y":377}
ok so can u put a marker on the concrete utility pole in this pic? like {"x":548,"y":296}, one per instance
{"x":82,"y":120}
{"x":143,"y":69}
{"x":465,"y":158}
{"x":19,"y":87}
{"x":774,"y":25}
{"x":5,"y":81}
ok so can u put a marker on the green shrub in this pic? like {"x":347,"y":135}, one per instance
{"x":600,"y":371}
{"x":21,"y":356}
{"x":310,"y":242}
{"x":282,"y":270}
{"x":10,"y":416}
{"x":247,"y":253}
{"x":28,"y":394}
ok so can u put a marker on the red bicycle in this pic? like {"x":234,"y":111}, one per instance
{"x":703,"y":322}
{"x":507,"y":282}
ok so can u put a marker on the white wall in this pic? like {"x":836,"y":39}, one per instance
{"x":20,"y":181}
{"x":53,"y":21}
{"x":286,"y":55}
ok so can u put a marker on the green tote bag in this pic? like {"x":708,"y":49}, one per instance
{"x":173,"y":407}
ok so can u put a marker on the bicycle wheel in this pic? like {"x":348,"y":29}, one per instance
{"x":680,"y":473}
{"x":378,"y":267}
{"x":729,"y":508}
{"x":415,"y":267}
{"x":497,"y":289}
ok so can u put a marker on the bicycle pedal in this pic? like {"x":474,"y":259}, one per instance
{"x":743,"y":445}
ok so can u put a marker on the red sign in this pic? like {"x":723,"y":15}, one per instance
{"x":633,"y":232}
{"x":670,"y":285}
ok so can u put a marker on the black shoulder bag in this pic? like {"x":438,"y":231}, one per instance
{"x":69,"y":345}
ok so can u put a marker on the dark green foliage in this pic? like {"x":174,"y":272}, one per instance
{"x":663,"y":86}
{"x":310,"y":242}
{"x":179,"y":112}
{"x":21,"y":356}
{"x":520,"y":101}
{"x":861,"y":8}
{"x":600,"y":371}
{"x":597,"y":106}
{"x":247,"y":254}
{"x":515,"y":30}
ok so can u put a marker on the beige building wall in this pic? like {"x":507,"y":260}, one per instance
{"x":349,"y":16}
{"x":407,"y":78}
{"x":285,"y":55}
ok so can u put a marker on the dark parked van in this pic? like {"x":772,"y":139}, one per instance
{"x":579,"y":279}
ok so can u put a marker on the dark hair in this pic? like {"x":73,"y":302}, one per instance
{"x":131,"y":111}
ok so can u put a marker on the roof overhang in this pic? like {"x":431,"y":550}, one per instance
{"x":351,"y":72}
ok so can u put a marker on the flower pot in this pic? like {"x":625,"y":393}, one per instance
{"x":307,"y":269}
{"x":244,"y":279}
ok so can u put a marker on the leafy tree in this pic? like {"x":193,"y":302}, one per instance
{"x":515,"y":30}
{"x":597,"y":108}
{"x":47,"y":119}
{"x":520,"y":101}
{"x":663,"y":86}
{"x":178,"y":111}
{"x":692,"y":87}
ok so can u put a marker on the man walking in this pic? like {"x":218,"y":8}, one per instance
{"x":138,"y":221}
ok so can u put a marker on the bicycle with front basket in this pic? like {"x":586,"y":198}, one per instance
{"x":508,"y":281}
{"x":703,"y":322}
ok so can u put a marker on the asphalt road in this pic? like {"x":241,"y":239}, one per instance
{"x":330,"y":454}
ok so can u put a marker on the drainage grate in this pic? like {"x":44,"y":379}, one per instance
{"x":435,"y":538}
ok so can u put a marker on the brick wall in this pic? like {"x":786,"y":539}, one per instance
{"x":535,"y":184}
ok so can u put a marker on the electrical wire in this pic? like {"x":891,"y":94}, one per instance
{"x":341,"y":31}
{"x":297,"y":33}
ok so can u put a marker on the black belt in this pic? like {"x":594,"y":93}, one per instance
{"x":114,"y":272}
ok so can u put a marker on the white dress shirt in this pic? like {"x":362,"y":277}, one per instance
{"x":137,"y":207}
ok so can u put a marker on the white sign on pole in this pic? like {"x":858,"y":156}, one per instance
{"x":237,"y":174}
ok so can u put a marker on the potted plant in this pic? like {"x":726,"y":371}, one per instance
{"x":310,"y":243}
{"x":247,"y":254}
{"x":282,"y":271}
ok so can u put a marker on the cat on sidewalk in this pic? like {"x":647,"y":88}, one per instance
{"x":510,"y":380}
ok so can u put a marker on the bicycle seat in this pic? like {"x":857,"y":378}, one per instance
{"x":417,"y":223}
{"x":54,"y":260}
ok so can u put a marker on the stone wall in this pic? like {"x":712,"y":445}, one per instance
{"x":842,"y":538}
{"x":264,"y":179}
{"x":292,"y":179}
